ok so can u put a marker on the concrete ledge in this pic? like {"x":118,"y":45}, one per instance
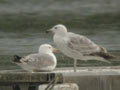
{"x":9,"y":77}
{"x":93,"y":78}
{"x":87,"y":78}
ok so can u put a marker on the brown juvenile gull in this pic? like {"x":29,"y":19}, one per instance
{"x":44,"y":60}
{"x":78,"y":46}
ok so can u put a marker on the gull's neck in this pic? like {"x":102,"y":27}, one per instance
{"x":62,"y":34}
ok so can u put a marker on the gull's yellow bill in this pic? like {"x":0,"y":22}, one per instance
{"x":55,"y":50}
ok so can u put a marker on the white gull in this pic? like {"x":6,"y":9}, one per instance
{"x":44,"y":60}
{"x":77,"y":46}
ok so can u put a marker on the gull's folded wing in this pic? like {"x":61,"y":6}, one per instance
{"x":82,"y":44}
{"x":43,"y":60}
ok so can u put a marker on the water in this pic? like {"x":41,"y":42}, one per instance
{"x":23,"y":24}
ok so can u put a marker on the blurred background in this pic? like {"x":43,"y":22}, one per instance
{"x":23,"y":24}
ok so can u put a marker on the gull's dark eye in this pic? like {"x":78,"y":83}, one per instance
{"x":55,"y":27}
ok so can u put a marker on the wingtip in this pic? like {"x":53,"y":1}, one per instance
{"x":16,"y":58}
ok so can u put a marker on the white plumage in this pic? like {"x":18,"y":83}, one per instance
{"x":44,"y":60}
{"x":76,"y":46}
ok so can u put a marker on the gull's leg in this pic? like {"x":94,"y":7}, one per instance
{"x":75,"y":65}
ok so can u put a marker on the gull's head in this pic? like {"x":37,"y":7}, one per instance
{"x":46,"y":48}
{"x":58,"y":29}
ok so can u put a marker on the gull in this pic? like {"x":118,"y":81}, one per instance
{"x":44,"y":60}
{"x":78,"y":46}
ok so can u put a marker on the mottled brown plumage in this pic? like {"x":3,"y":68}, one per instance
{"x":103,"y":49}
{"x":103,"y":53}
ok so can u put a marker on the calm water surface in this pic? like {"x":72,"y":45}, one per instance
{"x":23,"y":25}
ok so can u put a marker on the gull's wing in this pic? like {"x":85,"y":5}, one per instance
{"x":82,"y":44}
{"x":39,"y":61}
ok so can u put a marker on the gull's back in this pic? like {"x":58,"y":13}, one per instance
{"x":75,"y":45}
{"x":38,"y":62}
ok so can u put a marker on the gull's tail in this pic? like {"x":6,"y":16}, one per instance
{"x":104,"y":55}
{"x":16,"y":59}
{"x":109,"y":56}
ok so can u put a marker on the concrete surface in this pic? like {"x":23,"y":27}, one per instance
{"x":87,"y":78}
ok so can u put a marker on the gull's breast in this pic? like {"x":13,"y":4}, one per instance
{"x":61,"y":44}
